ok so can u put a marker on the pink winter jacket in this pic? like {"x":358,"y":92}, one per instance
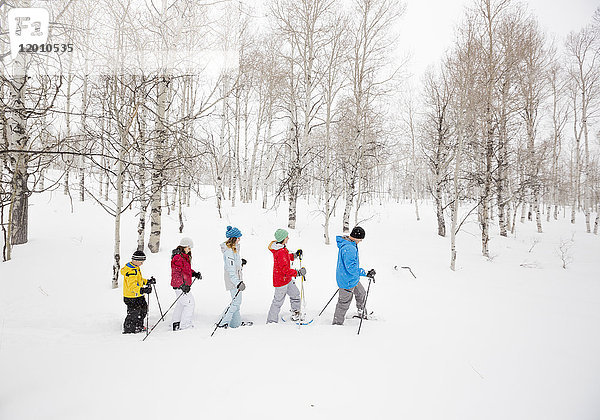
{"x":181,"y":270}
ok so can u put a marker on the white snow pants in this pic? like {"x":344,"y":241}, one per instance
{"x":184,"y":309}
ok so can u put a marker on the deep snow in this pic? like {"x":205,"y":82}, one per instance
{"x":494,"y":340}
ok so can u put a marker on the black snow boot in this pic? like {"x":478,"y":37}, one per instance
{"x":176,"y":326}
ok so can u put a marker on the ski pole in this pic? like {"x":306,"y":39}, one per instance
{"x":225,"y":313}
{"x":159,"y":308}
{"x":322,"y":310}
{"x":165,"y":314}
{"x":302,"y":300}
{"x":148,"y":315}
{"x":406,"y":268}
{"x":325,"y":307}
{"x":365,"y":305}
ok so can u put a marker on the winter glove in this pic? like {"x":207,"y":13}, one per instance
{"x":196,"y":274}
{"x":371,"y":273}
{"x":147,"y":289}
{"x":241,"y":286}
{"x":185,"y":288}
{"x":151,"y":280}
{"x":244,"y":262}
{"x":301,"y":272}
{"x":298,"y":253}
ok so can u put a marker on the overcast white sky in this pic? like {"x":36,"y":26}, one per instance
{"x":428,"y":25}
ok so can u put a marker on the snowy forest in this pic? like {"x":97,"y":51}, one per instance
{"x":299,"y":127}
{"x":306,"y":99}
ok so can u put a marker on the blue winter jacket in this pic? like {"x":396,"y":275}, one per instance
{"x":348,"y":270}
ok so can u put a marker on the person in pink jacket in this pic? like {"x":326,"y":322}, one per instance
{"x":181,"y":281}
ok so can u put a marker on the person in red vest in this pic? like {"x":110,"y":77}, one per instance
{"x":283,"y":277}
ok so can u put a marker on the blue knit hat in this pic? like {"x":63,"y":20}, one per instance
{"x":233,"y":232}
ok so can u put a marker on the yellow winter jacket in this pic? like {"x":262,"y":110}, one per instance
{"x":132,"y":280}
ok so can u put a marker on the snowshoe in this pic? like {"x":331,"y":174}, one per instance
{"x":364,"y":315}
{"x":300,"y":321}
{"x":246,"y":324}
{"x":296,"y":316}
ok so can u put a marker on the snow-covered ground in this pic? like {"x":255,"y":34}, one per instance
{"x":512,"y":337}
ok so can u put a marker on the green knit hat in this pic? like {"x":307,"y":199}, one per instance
{"x":280,"y":235}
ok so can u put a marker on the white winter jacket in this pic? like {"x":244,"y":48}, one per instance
{"x":233,"y":266}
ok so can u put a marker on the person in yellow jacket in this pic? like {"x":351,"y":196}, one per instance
{"x":134,"y":288}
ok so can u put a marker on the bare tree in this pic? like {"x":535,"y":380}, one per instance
{"x":533,"y":90}
{"x":372,"y":45}
{"x":437,"y":138}
{"x":24,"y":89}
{"x":336,"y":50}
{"x":557,"y":83}
{"x":303,"y":23}
{"x":489,"y":13}
{"x":585,"y":75}
{"x":462,"y":67}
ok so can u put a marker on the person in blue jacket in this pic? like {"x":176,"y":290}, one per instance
{"x":348,"y":273}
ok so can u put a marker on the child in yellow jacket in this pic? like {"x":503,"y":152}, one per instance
{"x":134,"y":288}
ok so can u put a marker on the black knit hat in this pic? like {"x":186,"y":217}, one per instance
{"x":138,"y":256}
{"x":357,"y":233}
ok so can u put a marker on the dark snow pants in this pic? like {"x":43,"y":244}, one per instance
{"x":344,"y":300}
{"x":137,"y":308}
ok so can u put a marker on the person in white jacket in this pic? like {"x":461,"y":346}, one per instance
{"x":233,"y":278}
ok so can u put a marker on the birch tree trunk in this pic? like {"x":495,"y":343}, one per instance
{"x":235,"y":158}
{"x":558,"y":122}
{"x":18,"y":138}
{"x":349,"y":198}
{"x":118,"y":210}
{"x":143,"y":197}
{"x":119,"y":199}
{"x":414,"y":171}
{"x":81,"y":160}
{"x":491,"y":13}
{"x":219,"y":152}
{"x":327,"y":181}
{"x":503,"y":158}
{"x":439,"y":208}
{"x":179,"y":205}
{"x":157,"y":166}
{"x":577,"y":169}
{"x":68,"y":123}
